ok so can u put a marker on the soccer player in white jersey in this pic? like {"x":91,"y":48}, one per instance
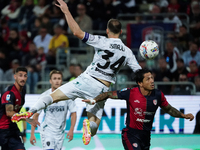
{"x":110,"y":55}
{"x":52,"y":131}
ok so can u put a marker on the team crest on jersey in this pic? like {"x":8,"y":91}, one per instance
{"x":135,"y":144}
{"x":8,"y":97}
{"x":48,"y":143}
{"x":155,"y":101}
{"x":123,"y":89}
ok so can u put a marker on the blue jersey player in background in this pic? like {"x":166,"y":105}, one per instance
{"x":142,"y":103}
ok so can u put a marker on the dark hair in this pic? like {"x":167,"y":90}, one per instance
{"x":139,"y":75}
{"x":55,"y":72}
{"x":180,"y":60}
{"x":20,"y":68}
{"x":114,"y":26}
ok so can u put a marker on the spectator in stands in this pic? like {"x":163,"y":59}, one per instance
{"x":12,"y":45}
{"x":154,"y":11}
{"x":72,"y":6}
{"x":94,"y":11}
{"x":59,"y":40}
{"x":107,"y":11}
{"x":83,"y":20}
{"x":129,"y":6}
{"x":181,"y":69}
{"x":35,"y":28}
{"x":11,"y":12}
{"x":26,"y":14}
{"x":195,"y":20}
{"x":197,"y":83}
{"x":47,"y":24}
{"x":55,"y":15}
{"x":174,"y":5}
{"x":30,"y":61}
{"x":193,"y":67}
{"x":9,"y":74}
{"x":182,"y":89}
{"x":4,"y":62}
{"x":41,"y":59}
{"x":71,"y":72}
{"x":24,"y":41}
{"x":173,"y":18}
{"x":171,"y":55}
{"x":184,"y":38}
{"x":4,"y":30}
{"x":163,"y":74}
{"x":43,"y":39}
{"x":162,"y":4}
{"x":40,"y":9}
{"x":192,"y":54}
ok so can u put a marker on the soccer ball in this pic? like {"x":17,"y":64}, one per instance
{"x":149,"y":49}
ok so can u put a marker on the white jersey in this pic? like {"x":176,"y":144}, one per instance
{"x":56,"y":113}
{"x":110,"y":55}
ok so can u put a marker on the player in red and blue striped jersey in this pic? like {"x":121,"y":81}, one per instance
{"x":11,"y":102}
{"x":142,"y":103}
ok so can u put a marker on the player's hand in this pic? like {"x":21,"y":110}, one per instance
{"x":189,"y":116}
{"x":91,"y":102}
{"x":33,"y":122}
{"x":33,"y":140}
{"x":63,"y":6}
{"x":70,"y":135}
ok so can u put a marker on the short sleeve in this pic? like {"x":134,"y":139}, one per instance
{"x":123,"y":94}
{"x":94,"y":40}
{"x":164,"y":102}
{"x":71,"y":106}
{"x":8,"y":98}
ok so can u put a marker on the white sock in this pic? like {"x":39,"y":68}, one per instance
{"x":93,"y":127}
{"x":41,"y":103}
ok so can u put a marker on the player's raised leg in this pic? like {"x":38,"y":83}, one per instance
{"x":41,"y":103}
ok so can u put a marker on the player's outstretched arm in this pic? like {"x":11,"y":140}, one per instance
{"x":70,"y":134}
{"x":70,"y":20}
{"x":175,"y":113}
{"x":32,"y":138}
{"x":101,"y":97}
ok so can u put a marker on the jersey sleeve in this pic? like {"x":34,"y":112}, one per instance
{"x":8,"y":98}
{"x":94,"y":40}
{"x":164,"y":102}
{"x":123,"y":94}
{"x":71,"y":106}
{"x":132,"y":62}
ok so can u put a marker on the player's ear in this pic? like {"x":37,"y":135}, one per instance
{"x":15,"y":77}
{"x":107,"y":31}
{"x":50,"y":81}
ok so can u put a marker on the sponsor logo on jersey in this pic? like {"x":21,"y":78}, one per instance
{"x":55,"y":108}
{"x":123,"y":89}
{"x":138,"y":111}
{"x":135,"y":144}
{"x":104,"y":73}
{"x":142,"y":120}
{"x":155,"y":101}
{"x":136,"y":101}
{"x":8,"y":97}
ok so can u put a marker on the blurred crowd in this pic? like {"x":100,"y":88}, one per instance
{"x":32,"y":31}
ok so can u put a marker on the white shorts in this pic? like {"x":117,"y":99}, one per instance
{"x":86,"y":87}
{"x":51,"y":140}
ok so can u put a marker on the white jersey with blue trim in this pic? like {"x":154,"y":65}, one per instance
{"x":110,"y":55}
{"x":55,"y":114}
